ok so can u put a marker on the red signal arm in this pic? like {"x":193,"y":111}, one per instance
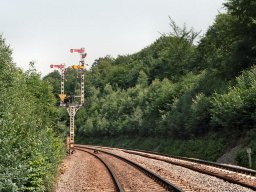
{"x":82,"y":50}
{"x":60,"y":66}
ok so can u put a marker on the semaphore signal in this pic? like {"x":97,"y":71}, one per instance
{"x":69,"y":103}
{"x":60,"y":66}
{"x":81,"y":50}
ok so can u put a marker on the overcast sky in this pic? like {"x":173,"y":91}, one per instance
{"x":45,"y":30}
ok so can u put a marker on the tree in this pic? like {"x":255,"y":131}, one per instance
{"x":245,"y":29}
{"x":30,"y":150}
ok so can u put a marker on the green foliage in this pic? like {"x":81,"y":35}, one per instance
{"x":242,"y":156}
{"x":177,"y":89}
{"x":229,"y":45}
{"x":172,"y":87}
{"x":30,"y":151}
{"x":216,"y":49}
{"x":198,"y":121}
{"x":208,"y":148}
{"x":235,"y":110}
{"x":53,"y":79}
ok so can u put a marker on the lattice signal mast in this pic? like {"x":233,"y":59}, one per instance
{"x":80,"y":67}
{"x":70,"y":104}
{"x":74,"y":107}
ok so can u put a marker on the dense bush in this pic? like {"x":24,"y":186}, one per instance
{"x":235,"y":110}
{"x":30,"y":150}
{"x":204,"y":148}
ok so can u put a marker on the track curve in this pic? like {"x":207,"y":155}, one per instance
{"x":162,"y":182}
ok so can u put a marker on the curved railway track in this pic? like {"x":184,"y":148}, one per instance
{"x":135,"y":172}
{"x":236,"y":175}
{"x":218,"y":165}
{"x":116,"y":182}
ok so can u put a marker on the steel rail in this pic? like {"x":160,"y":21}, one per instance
{"x":245,"y":171}
{"x":242,"y":170}
{"x":166,"y":184}
{"x":218,"y":165}
{"x":114,"y":178}
{"x":198,"y":169}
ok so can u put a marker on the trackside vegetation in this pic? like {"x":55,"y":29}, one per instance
{"x":183,"y":94}
{"x":30,"y":150}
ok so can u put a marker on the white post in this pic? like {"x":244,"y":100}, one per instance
{"x":249,"y":151}
{"x":62,"y":81}
{"x":83,"y":55}
{"x":62,"y":95}
{"x":82,"y":88}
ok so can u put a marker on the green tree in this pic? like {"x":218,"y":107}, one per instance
{"x":30,"y":151}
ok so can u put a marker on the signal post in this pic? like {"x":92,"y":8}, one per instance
{"x":72,"y":106}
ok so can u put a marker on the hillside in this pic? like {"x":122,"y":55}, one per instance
{"x":177,"y":96}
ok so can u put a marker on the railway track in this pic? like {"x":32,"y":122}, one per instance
{"x":129,"y":175}
{"x":116,"y":182}
{"x":218,"y":165}
{"x":236,"y":175}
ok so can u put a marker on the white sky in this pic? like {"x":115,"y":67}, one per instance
{"x":45,"y":30}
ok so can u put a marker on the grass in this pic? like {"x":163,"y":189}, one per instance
{"x":203,"y":148}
